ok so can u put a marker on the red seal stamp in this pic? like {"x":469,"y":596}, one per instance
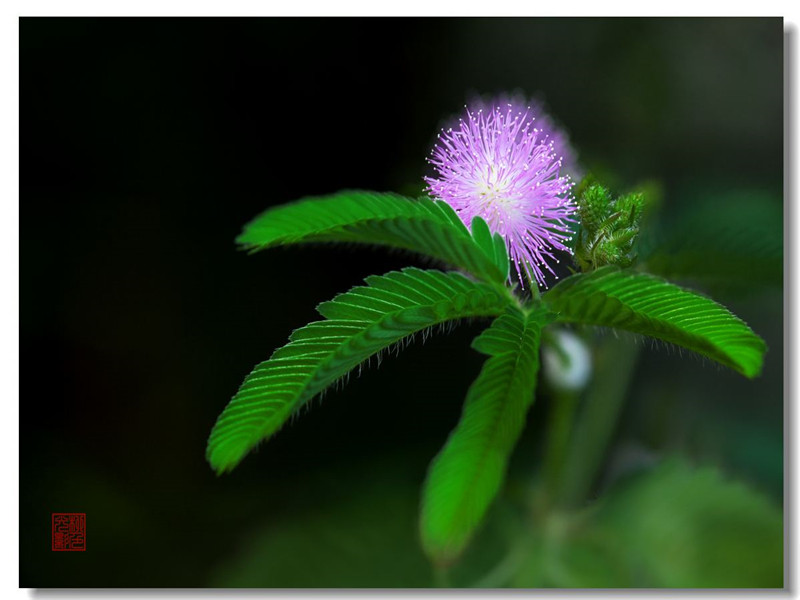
{"x":69,"y":532}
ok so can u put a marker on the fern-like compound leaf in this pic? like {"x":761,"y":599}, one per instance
{"x":424,"y":226}
{"x":359,"y":324}
{"x":467,"y":474}
{"x":648,"y":305}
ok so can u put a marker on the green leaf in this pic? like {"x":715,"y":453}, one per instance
{"x":466,"y":475}
{"x":424,"y":226}
{"x":501,"y":258}
{"x":650,"y":306}
{"x":482,"y":236}
{"x":492,"y":245}
{"x":360,"y":323}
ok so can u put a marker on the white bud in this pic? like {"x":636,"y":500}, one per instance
{"x":569,"y":366}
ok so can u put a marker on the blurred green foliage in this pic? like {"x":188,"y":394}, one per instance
{"x":729,"y":242}
{"x":681,"y":527}
{"x":668,"y":525}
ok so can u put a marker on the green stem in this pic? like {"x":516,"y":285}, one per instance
{"x":441,"y":577}
{"x":615,"y":364}
{"x":559,"y":430}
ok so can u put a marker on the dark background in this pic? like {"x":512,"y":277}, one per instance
{"x":146,"y":144}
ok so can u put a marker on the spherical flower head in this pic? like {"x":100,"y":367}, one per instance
{"x":498,"y":165}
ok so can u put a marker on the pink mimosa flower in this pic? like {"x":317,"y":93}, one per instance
{"x":498,"y":164}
